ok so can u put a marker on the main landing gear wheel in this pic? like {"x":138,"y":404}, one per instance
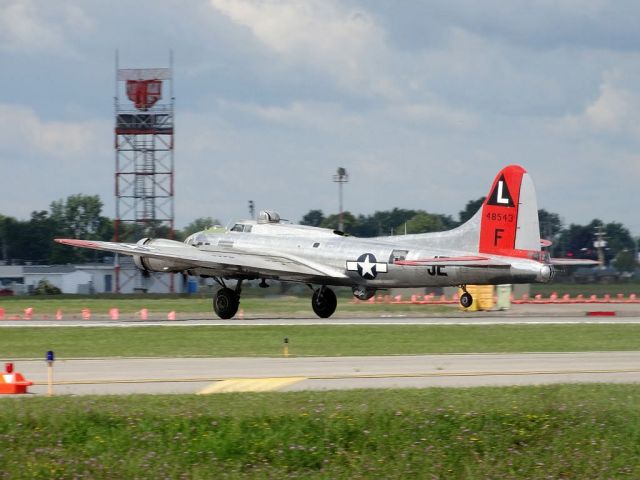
{"x":466,"y":300}
{"x":324,"y":302}
{"x":226,"y":303}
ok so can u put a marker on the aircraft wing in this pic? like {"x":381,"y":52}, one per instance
{"x":464,"y":261}
{"x":228,"y":261}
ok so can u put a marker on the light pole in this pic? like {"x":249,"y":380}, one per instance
{"x":341,"y":177}
{"x":600,"y":243}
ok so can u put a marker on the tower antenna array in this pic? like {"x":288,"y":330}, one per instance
{"x":144,"y":173}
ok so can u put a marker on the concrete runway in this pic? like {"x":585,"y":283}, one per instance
{"x":214,"y":375}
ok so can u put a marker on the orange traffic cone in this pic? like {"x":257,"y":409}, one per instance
{"x":12,"y":383}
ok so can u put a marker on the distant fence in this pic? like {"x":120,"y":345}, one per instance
{"x":428,"y":299}
{"x":554,"y":298}
{"x":84,"y":314}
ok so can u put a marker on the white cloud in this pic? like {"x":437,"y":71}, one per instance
{"x":420,"y":102}
{"x":330,"y":117}
{"x":21,"y":129}
{"x":438,"y":115}
{"x":48,"y":160}
{"x":27,"y":27}
{"x":615,"y":111}
{"x":325,"y":35}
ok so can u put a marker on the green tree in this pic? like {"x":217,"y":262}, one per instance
{"x":348,"y":219}
{"x":470,"y":210}
{"x":625,"y":261}
{"x":79,"y":216}
{"x":550,"y":224}
{"x":313,"y":218}
{"x":618,"y":238}
{"x":383,"y":222}
{"x":424,"y":222}
{"x":13,"y":237}
{"x":577,"y":240}
{"x":4,"y":246}
{"x":30,"y":240}
{"x":198,"y":225}
{"x":550,"y":229}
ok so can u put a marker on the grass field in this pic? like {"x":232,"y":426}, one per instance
{"x":313,"y":340}
{"x":574,"y":289}
{"x":563,"y":431}
{"x":161,"y":304}
{"x":255,"y":300}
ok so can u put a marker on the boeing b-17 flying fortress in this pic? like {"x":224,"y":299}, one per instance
{"x":500,"y":244}
{"x":464,"y":323}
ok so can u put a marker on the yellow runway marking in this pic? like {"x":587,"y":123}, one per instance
{"x":279,"y":382}
{"x":250,"y":385}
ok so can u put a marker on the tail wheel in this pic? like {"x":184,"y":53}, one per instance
{"x":226,"y":303}
{"x":324,"y":302}
{"x":466,"y":300}
{"x":363,"y":293}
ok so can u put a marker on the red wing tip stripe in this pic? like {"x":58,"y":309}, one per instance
{"x":74,"y":242}
{"x":441,"y":260}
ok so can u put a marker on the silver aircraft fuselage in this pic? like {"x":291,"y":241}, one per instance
{"x":366,"y":262}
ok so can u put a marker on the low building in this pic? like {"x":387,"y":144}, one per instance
{"x":66,"y":277}
{"x":84,"y":279}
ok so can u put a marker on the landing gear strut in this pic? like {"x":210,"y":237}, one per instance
{"x":465,"y":299}
{"x":324,"y":302}
{"x":226,"y":301}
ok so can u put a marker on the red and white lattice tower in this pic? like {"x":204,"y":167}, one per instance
{"x":144,"y":176}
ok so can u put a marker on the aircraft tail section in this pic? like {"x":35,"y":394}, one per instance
{"x":509,"y":215}
{"x":506,"y":224}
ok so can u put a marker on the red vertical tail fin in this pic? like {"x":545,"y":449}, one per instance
{"x":509,"y":216}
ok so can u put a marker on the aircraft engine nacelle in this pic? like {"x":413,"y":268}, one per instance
{"x":149,"y":264}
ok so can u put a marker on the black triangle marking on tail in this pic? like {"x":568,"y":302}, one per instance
{"x":501,"y":196}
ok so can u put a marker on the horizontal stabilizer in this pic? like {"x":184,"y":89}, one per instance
{"x":573,"y":261}
{"x":464,"y":261}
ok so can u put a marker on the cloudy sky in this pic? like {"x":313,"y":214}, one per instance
{"x":421,"y":101}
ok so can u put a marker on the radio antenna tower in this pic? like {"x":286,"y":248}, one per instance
{"x":144,"y":174}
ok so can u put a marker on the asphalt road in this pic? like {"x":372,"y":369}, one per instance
{"x":213,"y":375}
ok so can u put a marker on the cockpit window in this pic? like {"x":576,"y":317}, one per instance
{"x":241,"y":227}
